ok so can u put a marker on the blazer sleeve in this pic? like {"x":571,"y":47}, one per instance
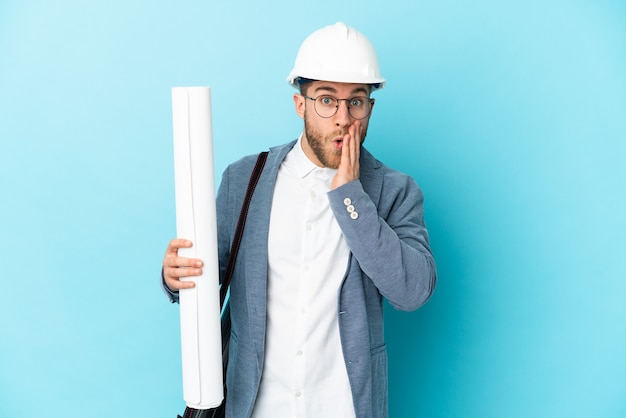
{"x":389,"y":239}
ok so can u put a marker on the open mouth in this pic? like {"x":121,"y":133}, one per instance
{"x":338,"y":142}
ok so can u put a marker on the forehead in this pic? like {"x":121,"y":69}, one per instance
{"x":339,"y":89}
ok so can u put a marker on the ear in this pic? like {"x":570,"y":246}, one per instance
{"x":299,"y":102}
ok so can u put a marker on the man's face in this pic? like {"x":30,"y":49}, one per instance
{"x":322,"y":141}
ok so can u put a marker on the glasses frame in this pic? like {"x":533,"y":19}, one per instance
{"x":369,"y":112}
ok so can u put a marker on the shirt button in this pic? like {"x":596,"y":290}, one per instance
{"x":354,"y":215}
{"x":350,"y":208}
{"x":306,"y":268}
{"x":298,"y":394}
{"x":299,"y":352}
{"x":309,"y":227}
{"x":347,"y":201}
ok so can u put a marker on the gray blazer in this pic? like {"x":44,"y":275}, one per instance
{"x":390,"y":257}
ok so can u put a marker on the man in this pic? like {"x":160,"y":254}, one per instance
{"x":330,"y":232}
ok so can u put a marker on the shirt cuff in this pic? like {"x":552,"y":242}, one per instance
{"x":171,"y":295}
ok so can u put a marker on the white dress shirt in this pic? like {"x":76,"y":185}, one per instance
{"x":304,"y":373}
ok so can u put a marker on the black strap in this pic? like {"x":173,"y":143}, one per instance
{"x":234,"y":249}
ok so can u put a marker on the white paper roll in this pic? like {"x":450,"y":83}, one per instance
{"x":196,"y":221}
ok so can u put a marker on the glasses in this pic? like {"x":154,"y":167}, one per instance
{"x":359,"y":107}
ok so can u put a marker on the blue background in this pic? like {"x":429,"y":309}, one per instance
{"x":510,"y":115}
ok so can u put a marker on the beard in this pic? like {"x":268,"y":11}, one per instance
{"x":322,"y":146}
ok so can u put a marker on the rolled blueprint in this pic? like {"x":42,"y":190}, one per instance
{"x":200,"y":324}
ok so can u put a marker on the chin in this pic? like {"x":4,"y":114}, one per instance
{"x":332,"y":160}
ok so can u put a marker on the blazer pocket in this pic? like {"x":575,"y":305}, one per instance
{"x":378,"y":349}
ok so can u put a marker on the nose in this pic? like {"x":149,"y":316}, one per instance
{"x":342,"y":117}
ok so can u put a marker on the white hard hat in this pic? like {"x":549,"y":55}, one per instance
{"x":337,"y":53}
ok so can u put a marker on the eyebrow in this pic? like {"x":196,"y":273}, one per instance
{"x":333,"y":90}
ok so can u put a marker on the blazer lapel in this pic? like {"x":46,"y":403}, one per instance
{"x":257,"y":231}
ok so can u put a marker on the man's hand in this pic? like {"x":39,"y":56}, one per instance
{"x":175,"y":267}
{"x":350,"y":153}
